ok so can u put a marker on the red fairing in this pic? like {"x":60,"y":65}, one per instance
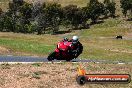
{"x":63,"y":46}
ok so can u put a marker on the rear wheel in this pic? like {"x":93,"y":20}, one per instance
{"x":51,"y":56}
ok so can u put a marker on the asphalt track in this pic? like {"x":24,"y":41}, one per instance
{"x":29,"y":59}
{"x":32,"y":59}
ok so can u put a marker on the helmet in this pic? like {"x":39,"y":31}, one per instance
{"x":65,"y":39}
{"x":75,"y":39}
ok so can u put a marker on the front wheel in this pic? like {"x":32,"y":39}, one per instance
{"x":51,"y":56}
{"x":68,"y":60}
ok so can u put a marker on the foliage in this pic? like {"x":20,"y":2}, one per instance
{"x":126,"y":5}
{"x":46,"y":17}
{"x":6,"y":23}
{"x":109,"y":8}
{"x":54,"y":14}
{"x":71,"y":15}
{"x":1,"y":11}
{"x":95,"y":10}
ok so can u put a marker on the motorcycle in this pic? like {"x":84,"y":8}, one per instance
{"x":64,"y":51}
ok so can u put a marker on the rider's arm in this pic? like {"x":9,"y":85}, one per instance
{"x":80,"y":47}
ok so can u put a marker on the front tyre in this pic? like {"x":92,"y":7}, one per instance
{"x":51,"y":56}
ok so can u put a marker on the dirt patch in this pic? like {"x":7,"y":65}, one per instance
{"x":3,"y":50}
{"x":60,"y":75}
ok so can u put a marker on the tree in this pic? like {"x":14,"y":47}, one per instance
{"x":37,"y":9}
{"x":1,"y":11}
{"x":73,"y":15}
{"x":95,"y":9}
{"x":126,"y":5}
{"x":38,"y":17}
{"x":20,"y":2}
{"x":112,"y":9}
{"x":20,"y":13}
{"x":5,"y":22}
{"x":48,"y":16}
{"x":26,"y":10}
{"x":12,"y":12}
{"x":53,"y":16}
{"x":109,"y":8}
{"x":93,"y":1}
{"x":41,"y":23}
{"x":85,"y":16}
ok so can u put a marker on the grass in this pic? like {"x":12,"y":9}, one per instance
{"x":27,"y":46}
{"x":37,"y":74}
{"x":36,"y":64}
{"x":110,"y":27}
{"x":99,"y":41}
{"x":33,"y":44}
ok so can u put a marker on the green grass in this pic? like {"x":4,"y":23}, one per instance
{"x":107,"y":49}
{"x":110,"y":27}
{"x":99,"y":41}
{"x":26,"y":46}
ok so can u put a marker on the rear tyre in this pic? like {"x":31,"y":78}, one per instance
{"x":81,"y":80}
{"x":51,"y":56}
{"x":69,"y":59}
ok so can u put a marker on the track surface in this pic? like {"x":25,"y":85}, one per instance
{"x":31,"y":59}
{"x":20,"y":59}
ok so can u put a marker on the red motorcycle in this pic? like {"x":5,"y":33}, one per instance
{"x":64,"y":51}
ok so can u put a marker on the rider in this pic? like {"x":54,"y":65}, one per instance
{"x":65,"y":39}
{"x":78,"y":46}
